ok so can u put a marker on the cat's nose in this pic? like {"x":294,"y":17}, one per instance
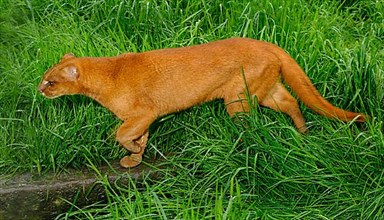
{"x":40,"y":89}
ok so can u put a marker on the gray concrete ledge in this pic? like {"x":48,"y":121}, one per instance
{"x":28,"y":197}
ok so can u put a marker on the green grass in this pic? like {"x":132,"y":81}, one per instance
{"x":214,"y":167}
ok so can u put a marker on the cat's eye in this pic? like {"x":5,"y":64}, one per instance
{"x":49,"y":83}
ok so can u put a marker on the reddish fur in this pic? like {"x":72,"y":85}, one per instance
{"x":140,"y":87}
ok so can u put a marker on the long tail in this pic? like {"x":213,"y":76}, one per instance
{"x":295,"y":77}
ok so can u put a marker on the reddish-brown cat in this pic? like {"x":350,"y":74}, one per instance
{"x":140,"y":87}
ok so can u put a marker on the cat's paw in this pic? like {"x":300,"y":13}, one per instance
{"x":133,"y":147}
{"x":142,"y":141}
{"x":131,"y":161}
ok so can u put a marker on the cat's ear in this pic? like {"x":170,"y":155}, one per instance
{"x":71,"y":73}
{"x":67,"y":56}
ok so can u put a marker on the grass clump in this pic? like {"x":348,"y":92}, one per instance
{"x":212,"y":166}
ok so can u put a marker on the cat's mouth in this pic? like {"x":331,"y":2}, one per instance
{"x":43,"y":90}
{"x":46,"y":94}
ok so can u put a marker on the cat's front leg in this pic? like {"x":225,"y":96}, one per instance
{"x":133,"y":136}
{"x":135,"y":158}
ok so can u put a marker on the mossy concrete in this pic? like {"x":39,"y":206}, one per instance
{"x":30,"y":197}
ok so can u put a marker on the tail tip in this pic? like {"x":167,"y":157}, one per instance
{"x":361,"y":118}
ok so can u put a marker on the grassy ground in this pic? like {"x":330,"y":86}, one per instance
{"x":217,"y":169}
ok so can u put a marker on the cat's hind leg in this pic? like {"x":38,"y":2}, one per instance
{"x":236,"y":104}
{"x":279,"y":99}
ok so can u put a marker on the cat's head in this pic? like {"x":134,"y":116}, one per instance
{"x":61,"y":79}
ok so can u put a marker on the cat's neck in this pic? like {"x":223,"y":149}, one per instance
{"x":97,"y":79}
